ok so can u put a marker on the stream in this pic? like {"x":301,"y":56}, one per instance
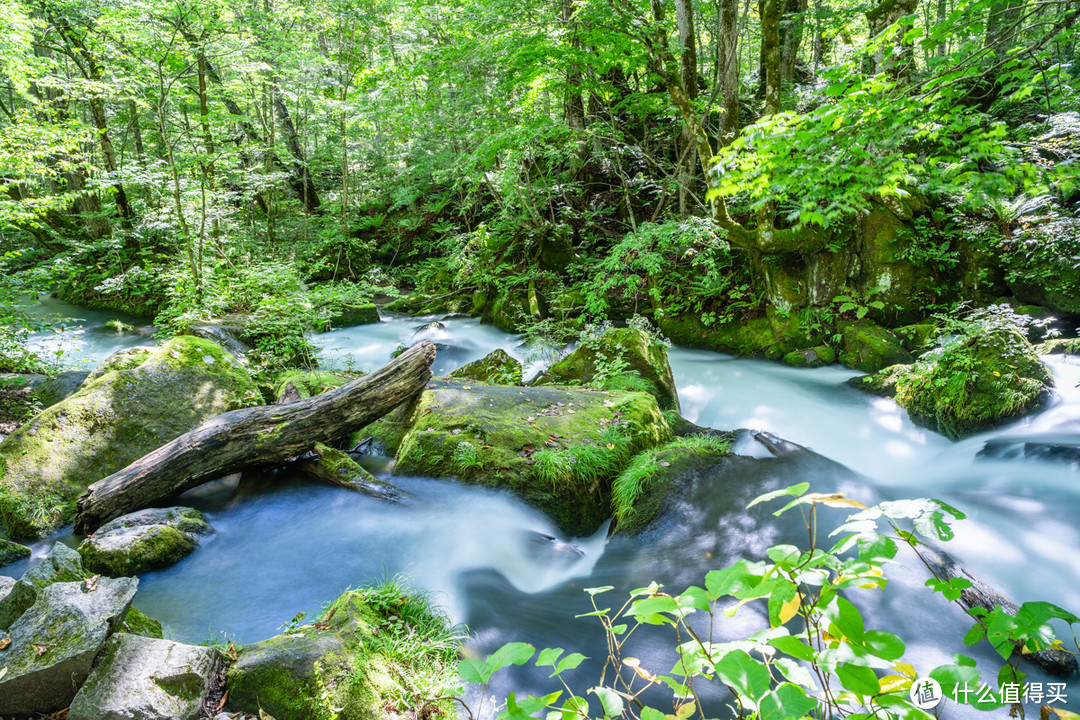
{"x":292,"y":547}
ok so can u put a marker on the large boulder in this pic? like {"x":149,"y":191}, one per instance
{"x":143,"y":540}
{"x":557,"y":448}
{"x":869,"y":347}
{"x":54,"y":643}
{"x":495,"y":368}
{"x":974,"y":383}
{"x":114,"y":420}
{"x":64,"y":385}
{"x":345,"y":662}
{"x":811,"y":357}
{"x":10,"y":552}
{"x":612,"y":359}
{"x":347,"y":314}
{"x":138,"y":678}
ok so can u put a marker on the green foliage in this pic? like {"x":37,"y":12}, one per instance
{"x":815,"y":657}
{"x":587,"y":462}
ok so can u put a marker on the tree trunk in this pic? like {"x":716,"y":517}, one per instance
{"x":253,"y":437}
{"x":575,"y":108}
{"x":901,"y":57}
{"x":770,"y":53}
{"x":791,"y":32}
{"x":684,"y":20}
{"x":728,"y":71}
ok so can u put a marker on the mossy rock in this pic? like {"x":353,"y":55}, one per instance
{"x":643,"y":489}
{"x":918,"y":337}
{"x":618,"y":352}
{"x":882,"y":383}
{"x":812,"y":357}
{"x":136,"y":622}
{"x":388,"y":431}
{"x":343,"y":315}
{"x":975,"y":383}
{"x":118,"y":326}
{"x":115,"y":419}
{"x":1059,"y":346}
{"x":557,"y":448}
{"x":10,"y":552}
{"x":749,"y":337}
{"x":64,"y":385}
{"x":123,"y":359}
{"x":869,"y":347}
{"x":144,"y":540}
{"x":305,"y":384}
{"x":496,"y":368}
{"x":347,"y":662}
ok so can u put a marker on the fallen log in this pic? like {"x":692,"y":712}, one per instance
{"x":253,"y":437}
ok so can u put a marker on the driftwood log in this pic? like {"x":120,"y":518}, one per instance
{"x":253,"y":437}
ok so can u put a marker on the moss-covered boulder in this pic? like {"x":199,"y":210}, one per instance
{"x":10,"y":552}
{"x":882,"y":383}
{"x":773,"y":335}
{"x":919,"y":337}
{"x":641,"y":491}
{"x":352,"y":663}
{"x":54,"y":643}
{"x":139,"y":678}
{"x":143,"y":540}
{"x":495,"y":368}
{"x":64,"y":385}
{"x":115,"y":419}
{"x":812,"y":357}
{"x":869,"y":347}
{"x":1059,"y":346}
{"x":557,"y":448}
{"x":123,"y":359}
{"x":974,"y":383}
{"x":300,"y":384}
{"x":612,"y":360}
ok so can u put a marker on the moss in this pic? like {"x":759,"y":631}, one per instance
{"x":374,"y":651}
{"x":600,"y":361}
{"x":308,"y":383}
{"x":752,"y":336}
{"x":10,"y":552}
{"x":496,"y":368}
{"x":882,"y":383}
{"x":976,"y":382}
{"x":812,"y":357}
{"x":919,"y":337}
{"x":126,"y":359}
{"x":641,"y":491}
{"x":118,"y":326}
{"x":511,"y":426}
{"x":1059,"y":346}
{"x":137,"y":622}
{"x":46,"y":464}
{"x":870,"y":347}
{"x":156,"y":546}
{"x":388,"y":431}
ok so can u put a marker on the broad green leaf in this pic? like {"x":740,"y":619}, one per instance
{"x":747,"y":676}
{"x":611,"y":701}
{"x":859,"y":679}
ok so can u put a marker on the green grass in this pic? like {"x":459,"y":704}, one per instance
{"x":585,"y":463}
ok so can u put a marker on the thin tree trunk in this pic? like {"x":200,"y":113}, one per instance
{"x":254,"y":437}
{"x":728,"y":71}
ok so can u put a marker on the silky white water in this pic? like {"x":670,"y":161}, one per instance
{"x":287,"y":547}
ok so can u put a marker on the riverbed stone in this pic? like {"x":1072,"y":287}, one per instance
{"x":61,"y":565}
{"x":882,"y":383}
{"x":55,"y":642}
{"x":557,"y":448}
{"x":340,"y":662}
{"x":112,"y":421}
{"x":496,"y":368}
{"x":869,"y":347}
{"x":608,"y":360}
{"x":143,"y":540}
{"x":6,"y":583}
{"x":226,"y":332}
{"x":138,"y":678}
{"x":811,"y":357}
{"x":11,"y":551}
{"x":975,"y":383}
{"x":348,"y":314}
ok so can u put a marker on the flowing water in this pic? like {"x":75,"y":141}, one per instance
{"x":289,"y":547}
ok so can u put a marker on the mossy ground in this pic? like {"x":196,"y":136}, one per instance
{"x":557,"y":448}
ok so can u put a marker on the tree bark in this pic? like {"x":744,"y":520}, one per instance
{"x":684,"y":20}
{"x":253,"y":437}
{"x":791,"y":32}
{"x":728,"y":71}
{"x":575,"y":108}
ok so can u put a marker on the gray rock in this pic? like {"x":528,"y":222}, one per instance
{"x":6,"y":583}
{"x":224,"y":334}
{"x":143,"y":540}
{"x":21,"y":381}
{"x":60,"y":387}
{"x":138,"y":678}
{"x":54,"y":643}
{"x":62,"y":565}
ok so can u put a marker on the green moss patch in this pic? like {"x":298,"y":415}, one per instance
{"x":557,"y":448}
